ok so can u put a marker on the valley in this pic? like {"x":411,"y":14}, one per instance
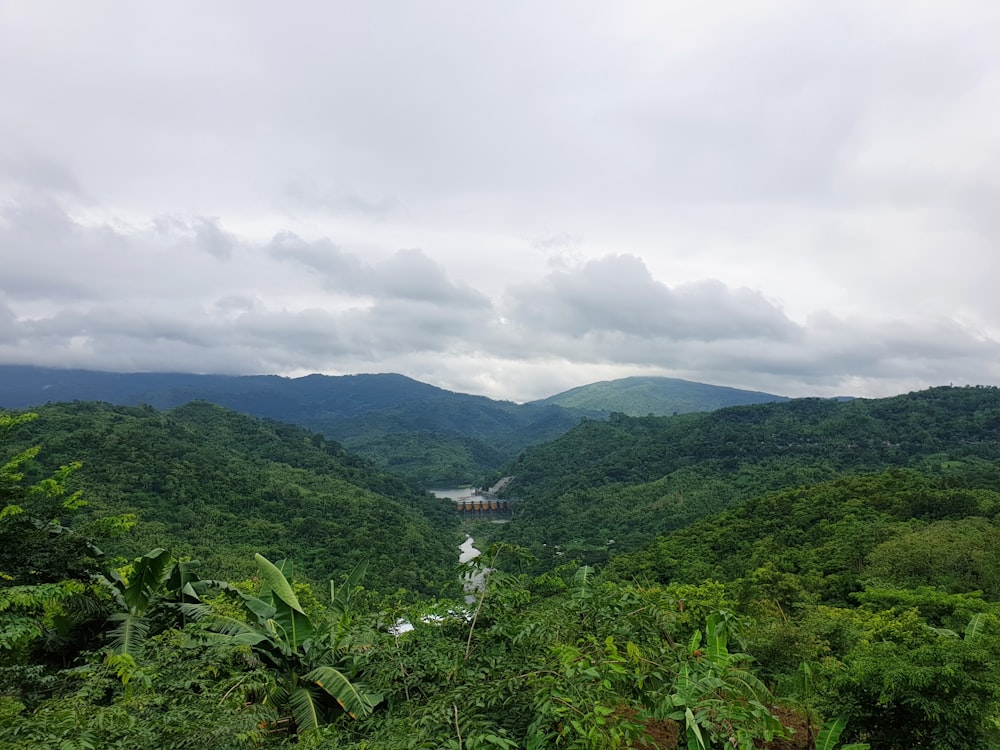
{"x":812,"y":570}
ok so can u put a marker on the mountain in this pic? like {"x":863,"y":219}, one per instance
{"x":272,"y":396}
{"x":655,"y":396}
{"x":428,"y":434}
{"x":215,"y":485}
{"x":629,"y":479}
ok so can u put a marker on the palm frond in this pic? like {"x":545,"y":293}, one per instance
{"x":277,"y":582}
{"x":258,"y":607}
{"x":149,"y":575}
{"x":747,"y":685}
{"x":341,"y":599}
{"x":582,"y":588}
{"x":196,"y":611}
{"x":114,"y":588}
{"x":231,"y":630}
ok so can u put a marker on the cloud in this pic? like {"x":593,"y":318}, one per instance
{"x":407,"y":274}
{"x":125,"y":296}
{"x":339,"y":270}
{"x":213,"y":240}
{"x":9,"y":332}
{"x":39,"y":175}
{"x":618,"y":295}
{"x":153,"y":296}
{"x":555,"y":241}
{"x":410,"y":274}
{"x":779,"y":196}
{"x":311,"y":194}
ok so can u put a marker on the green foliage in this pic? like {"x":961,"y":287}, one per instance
{"x":182,"y":698}
{"x":825,"y":535}
{"x":940,"y":694}
{"x":309,"y":660}
{"x":217,"y":486}
{"x":153,"y":586}
{"x":427,"y":459}
{"x":830,"y":734}
{"x":716,"y":696}
{"x":796,"y":565}
{"x":954,"y":555}
{"x":655,"y":396}
{"x":630,"y":479}
{"x":34,"y":546}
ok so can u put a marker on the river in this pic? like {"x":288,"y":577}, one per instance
{"x":466,"y":552}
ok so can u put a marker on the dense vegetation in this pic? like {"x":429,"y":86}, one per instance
{"x":630,"y":479}
{"x":432,"y":436}
{"x":655,"y":396}
{"x":782,"y":576}
{"x":218,"y":486}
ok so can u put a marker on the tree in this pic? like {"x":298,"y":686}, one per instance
{"x":34,"y":546}
{"x":924,"y":688}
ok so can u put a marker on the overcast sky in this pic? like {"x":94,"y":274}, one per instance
{"x":506,"y":198}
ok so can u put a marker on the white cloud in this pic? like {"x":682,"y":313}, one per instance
{"x":510,"y":198}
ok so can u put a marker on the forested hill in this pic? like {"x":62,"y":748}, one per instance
{"x":629,"y":479}
{"x":431,"y":435}
{"x":900,"y":527}
{"x":655,"y":396}
{"x":219,"y":486}
{"x":793,"y":575}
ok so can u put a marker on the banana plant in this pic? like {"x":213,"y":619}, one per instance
{"x":830,"y":734}
{"x":975,"y":628}
{"x":135,"y":596}
{"x":307,"y":658}
{"x":717,"y":701}
{"x":154,"y":587}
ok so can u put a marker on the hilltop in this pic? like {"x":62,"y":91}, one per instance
{"x":655,"y":396}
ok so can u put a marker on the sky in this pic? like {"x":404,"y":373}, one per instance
{"x":509,"y":199}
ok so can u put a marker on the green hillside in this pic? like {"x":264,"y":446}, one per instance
{"x":430,"y":435}
{"x":629,"y":479}
{"x":901,"y":527}
{"x":655,"y":396}
{"x":218,"y":486}
{"x":801,"y":575}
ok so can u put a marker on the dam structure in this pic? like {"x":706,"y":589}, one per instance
{"x":486,"y":504}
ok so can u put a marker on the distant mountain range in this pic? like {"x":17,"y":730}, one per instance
{"x":654,"y":396}
{"x":433,"y":436}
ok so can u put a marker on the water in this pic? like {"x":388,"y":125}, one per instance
{"x":463,"y":493}
{"x":471,"y":584}
{"x":453,"y":493}
{"x":467,"y":551}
